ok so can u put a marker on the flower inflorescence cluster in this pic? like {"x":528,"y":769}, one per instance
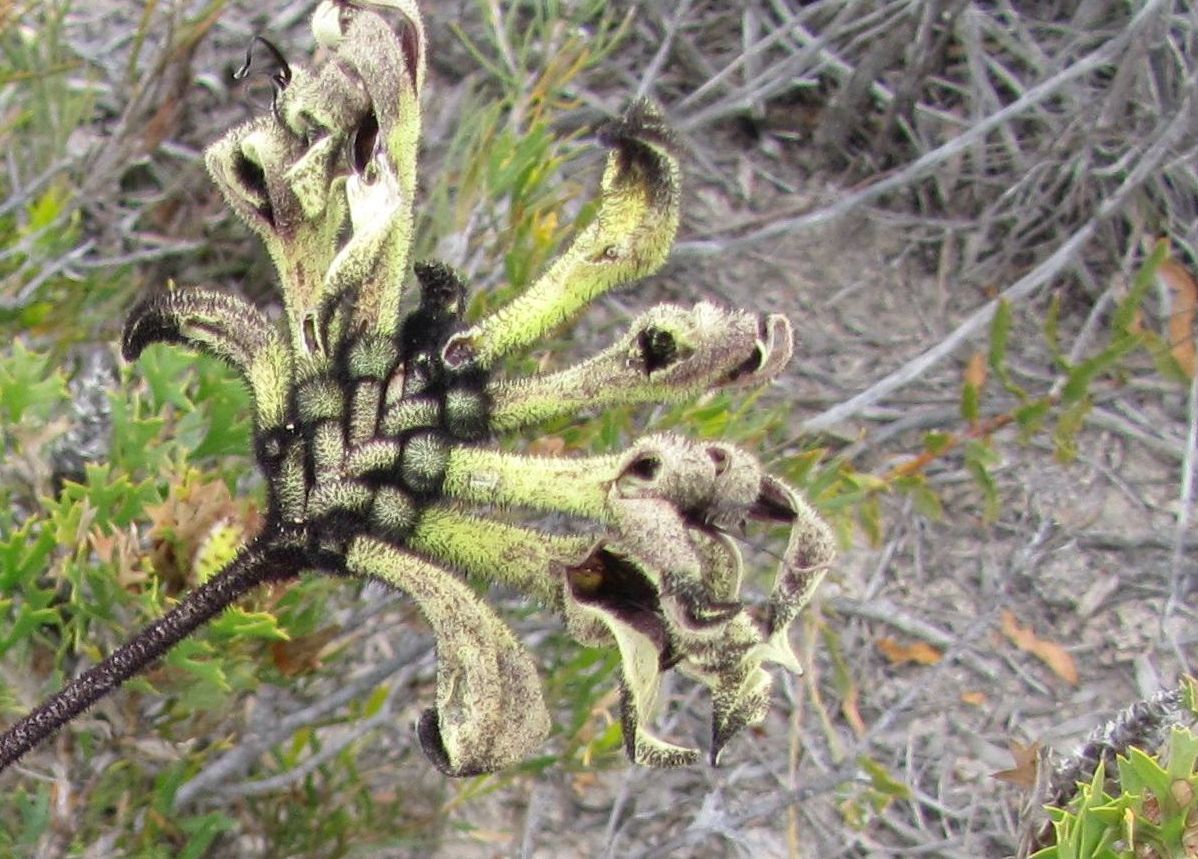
{"x":372,"y":422}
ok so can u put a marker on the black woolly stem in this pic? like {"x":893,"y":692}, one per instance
{"x":255,"y":565}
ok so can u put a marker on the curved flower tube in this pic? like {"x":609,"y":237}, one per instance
{"x":372,"y":427}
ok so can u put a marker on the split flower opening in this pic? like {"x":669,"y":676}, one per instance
{"x":372,"y":425}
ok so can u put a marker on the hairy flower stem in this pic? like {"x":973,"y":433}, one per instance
{"x":249,"y":570}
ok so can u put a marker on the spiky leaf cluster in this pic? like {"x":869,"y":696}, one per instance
{"x":371,"y":422}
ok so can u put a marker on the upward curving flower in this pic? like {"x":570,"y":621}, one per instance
{"x":371,"y":424}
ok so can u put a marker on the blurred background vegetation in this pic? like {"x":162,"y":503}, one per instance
{"x":980,"y":217}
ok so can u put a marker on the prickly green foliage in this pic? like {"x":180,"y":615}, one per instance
{"x":1151,"y":811}
{"x":75,"y":574}
{"x":371,"y":424}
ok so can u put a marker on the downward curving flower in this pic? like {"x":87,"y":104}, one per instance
{"x":372,"y":422}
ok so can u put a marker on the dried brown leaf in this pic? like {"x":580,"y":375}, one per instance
{"x":852,"y":715}
{"x":302,"y":655}
{"x":1183,"y":293}
{"x":1052,"y":654}
{"x":182,"y":523}
{"x":975,"y":370}
{"x":1023,"y":774}
{"x":919,"y":652}
{"x":975,"y":698}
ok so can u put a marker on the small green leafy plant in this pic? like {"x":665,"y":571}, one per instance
{"x":1151,"y":812}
